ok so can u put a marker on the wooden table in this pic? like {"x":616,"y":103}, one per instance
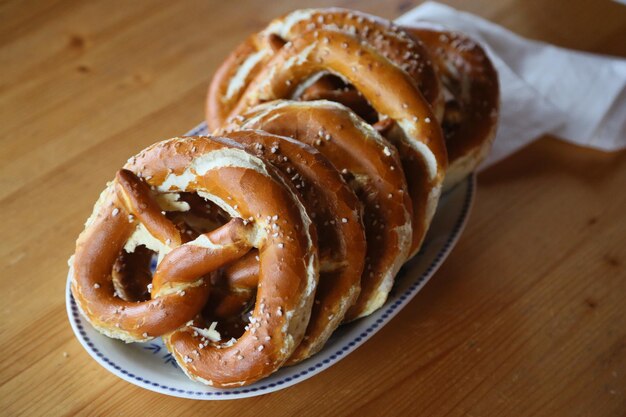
{"x":526,"y":317}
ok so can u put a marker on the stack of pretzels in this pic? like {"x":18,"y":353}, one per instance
{"x":334,"y":133}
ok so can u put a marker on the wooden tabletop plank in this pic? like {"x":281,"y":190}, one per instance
{"x":526,"y":316}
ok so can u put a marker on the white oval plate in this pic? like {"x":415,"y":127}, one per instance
{"x":149,"y":365}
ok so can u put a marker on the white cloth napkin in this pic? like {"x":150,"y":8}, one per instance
{"x":579,"y":97}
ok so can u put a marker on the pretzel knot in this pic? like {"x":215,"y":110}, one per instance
{"x":253,"y":55}
{"x":135,"y":210}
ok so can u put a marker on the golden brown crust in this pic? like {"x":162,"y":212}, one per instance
{"x":245,"y":186}
{"x":136,"y":198}
{"x":335,"y":211}
{"x":371,"y":166}
{"x":428,"y":54}
{"x":471,"y":111}
{"x":288,"y":268}
{"x":222,"y":96}
{"x":332,"y":88}
{"x":251,"y":56}
{"x":98,"y":248}
{"x":390,"y":90}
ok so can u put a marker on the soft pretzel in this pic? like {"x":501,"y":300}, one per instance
{"x":389,"y":89}
{"x":335,"y":211}
{"x":470,"y":86}
{"x":371,"y":166}
{"x":245,"y":63}
{"x":472,"y":97}
{"x":257,"y":198}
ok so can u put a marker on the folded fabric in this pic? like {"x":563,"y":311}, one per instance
{"x":577,"y":96}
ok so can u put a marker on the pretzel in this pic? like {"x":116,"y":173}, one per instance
{"x":471,"y":90}
{"x":249,"y":59}
{"x":472,"y":97}
{"x":390,"y":90}
{"x":218,"y":170}
{"x":335,"y":211}
{"x":371,"y":166}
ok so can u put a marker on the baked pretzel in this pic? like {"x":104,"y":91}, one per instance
{"x":472,"y":97}
{"x":260,"y":203}
{"x":471,"y":91}
{"x":335,"y":211}
{"x":389,"y":90}
{"x":371,"y":166}
{"x":253,"y":55}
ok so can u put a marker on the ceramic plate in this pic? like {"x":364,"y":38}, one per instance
{"x":150,"y":366}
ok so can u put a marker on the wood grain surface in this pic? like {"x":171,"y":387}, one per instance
{"x":526,"y":317}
